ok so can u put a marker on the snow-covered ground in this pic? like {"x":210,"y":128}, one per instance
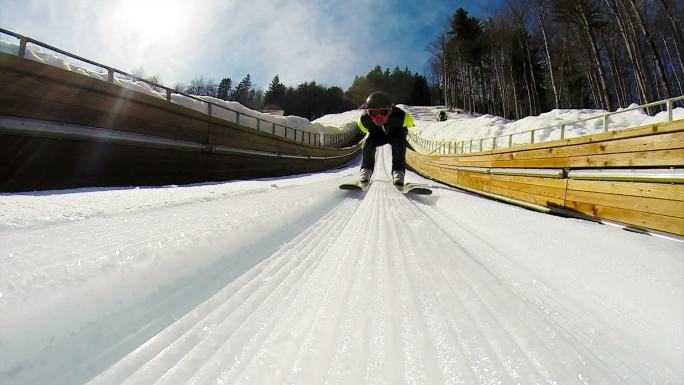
{"x":291,"y":280}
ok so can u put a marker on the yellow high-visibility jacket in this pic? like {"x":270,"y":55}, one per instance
{"x":398,"y":118}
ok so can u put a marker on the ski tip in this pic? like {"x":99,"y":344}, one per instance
{"x":420,"y":191}
{"x":415,"y":189}
{"x":357,"y":186}
{"x":350,"y":187}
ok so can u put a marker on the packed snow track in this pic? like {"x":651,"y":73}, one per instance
{"x":294,"y":281}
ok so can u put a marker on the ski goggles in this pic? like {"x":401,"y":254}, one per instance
{"x":379,"y":113}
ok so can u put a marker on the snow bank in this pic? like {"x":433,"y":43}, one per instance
{"x":248,"y":118}
{"x":346,"y":121}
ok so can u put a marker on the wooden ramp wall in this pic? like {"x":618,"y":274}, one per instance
{"x":509,"y":172}
{"x":40,"y":95}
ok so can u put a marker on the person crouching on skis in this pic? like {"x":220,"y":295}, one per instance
{"x":384,"y":123}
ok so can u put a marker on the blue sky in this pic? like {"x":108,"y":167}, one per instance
{"x":329,"y":41}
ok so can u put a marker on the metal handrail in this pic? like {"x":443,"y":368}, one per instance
{"x":462,"y":144}
{"x":318,"y":139}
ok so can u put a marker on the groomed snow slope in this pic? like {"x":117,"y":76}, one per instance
{"x":296,"y":281}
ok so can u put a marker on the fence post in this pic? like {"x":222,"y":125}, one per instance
{"x":110,"y":75}
{"x":494,"y":143}
{"x":22,"y":46}
{"x":532,"y":137}
{"x":605,"y":123}
{"x":258,"y":124}
{"x":168,"y":94}
{"x":562,"y":131}
{"x":481,"y":142}
{"x":510,"y":140}
{"x":669,"y":110}
{"x":237,"y":117}
{"x":209,"y":109}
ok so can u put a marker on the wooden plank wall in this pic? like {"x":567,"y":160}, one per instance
{"x":39,"y":91}
{"x":34,"y":90}
{"x":658,"y":206}
{"x":542,"y":191}
{"x":651,"y":205}
{"x":33,"y":163}
{"x":624,"y":148}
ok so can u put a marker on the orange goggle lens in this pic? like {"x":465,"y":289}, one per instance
{"x":378,"y":112}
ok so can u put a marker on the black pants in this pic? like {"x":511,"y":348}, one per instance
{"x":396,"y":138}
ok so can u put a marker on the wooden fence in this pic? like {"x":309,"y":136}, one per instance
{"x":62,"y":129}
{"x":544,"y":174}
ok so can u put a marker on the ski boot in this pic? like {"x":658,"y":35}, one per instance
{"x":365,"y":175}
{"x":398,"y":178}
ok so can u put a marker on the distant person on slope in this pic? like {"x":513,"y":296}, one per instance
{"x":384,"y":123}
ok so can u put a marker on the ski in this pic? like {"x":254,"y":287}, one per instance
{"x":355,"y":186}
{"x":415,"y":188}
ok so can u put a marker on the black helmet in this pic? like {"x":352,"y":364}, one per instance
{"x":379,"y":99}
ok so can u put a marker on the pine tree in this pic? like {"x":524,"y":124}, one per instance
{"x":241,"y":93}
{"x":420,"y":94}
{"x":275,"y":93}
{"x":224,"y":88}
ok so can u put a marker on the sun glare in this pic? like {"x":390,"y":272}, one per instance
{"x":152,"y":20}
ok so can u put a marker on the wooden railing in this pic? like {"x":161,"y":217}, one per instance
{"x":530,"y":136}
{"x":315,"y":139}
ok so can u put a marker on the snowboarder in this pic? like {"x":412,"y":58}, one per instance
{"x":384,"y":123}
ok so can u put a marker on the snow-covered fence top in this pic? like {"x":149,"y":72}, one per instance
{"x":290,"y":127}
